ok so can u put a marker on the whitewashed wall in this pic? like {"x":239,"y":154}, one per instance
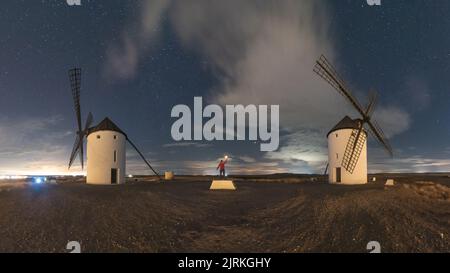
{"x":100,"y":157}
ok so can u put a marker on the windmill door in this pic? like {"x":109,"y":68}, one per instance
{"x":338,"y":175}
{"x":113,"y":176}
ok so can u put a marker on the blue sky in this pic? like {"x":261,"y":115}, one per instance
{"x":140,"y":58}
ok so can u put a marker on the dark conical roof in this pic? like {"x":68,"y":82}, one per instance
{"x":346,"y":123}
{"x":106,"y":125}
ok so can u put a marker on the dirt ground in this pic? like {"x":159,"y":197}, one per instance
{"x":265,"y":214}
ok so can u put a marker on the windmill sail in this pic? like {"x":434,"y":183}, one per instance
{"x":375,"y":129}
{"x":371,"y":105}
{"x":75,"y":84}
{"x":324,"y":69}
{"x":326,"y":169}
{"x":88,"y":123}
{"x":353,"y":150}
{"x":75,"y":151}
{"x":78,"y":147}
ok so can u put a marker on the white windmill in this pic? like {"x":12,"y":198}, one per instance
{"x":347,"y":141}
{"x":106,"y":144}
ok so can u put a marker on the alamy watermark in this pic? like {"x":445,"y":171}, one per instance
{"x":374,"y":247}
{"x":78,"y":2}
{"x":74,"y":247}
{"x":239,"y":120}
{"x":374,"y":2}
{"x":73,"y":2}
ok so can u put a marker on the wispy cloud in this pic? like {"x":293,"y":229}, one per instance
{"x":393,"y":121}
{"x":419,"y":164}
{"x":306,"y":148}
{"x":136,"y":39}
{"x":247,"y":159}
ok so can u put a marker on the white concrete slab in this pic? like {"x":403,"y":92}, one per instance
{"x":222,"y":185}
{"x":390,"y":183}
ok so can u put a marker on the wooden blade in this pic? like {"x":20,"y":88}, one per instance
{"x":372,"y":103}
{"x":75,"y":150}
{"x":354,"y":148}
{"x":324,"y":69}
{"x":376,"y":131}
{"x":88,"y":123}
{"x":143,"y":158}
{"x":75,"y":84}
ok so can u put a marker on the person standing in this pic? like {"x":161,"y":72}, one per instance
{"x":221,"y":167}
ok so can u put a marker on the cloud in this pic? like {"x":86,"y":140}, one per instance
{"x":262,"y":52}
{"x":392,"y":120}
{"x":247,"y":159}
{"x":408,"y":164}
{"x":123,"y":58}
{"x":305,"y":148}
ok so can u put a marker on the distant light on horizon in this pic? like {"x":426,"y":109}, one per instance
{"x":21,"y":174}
{"x":13,"y":177}
{"x":39,"y":180}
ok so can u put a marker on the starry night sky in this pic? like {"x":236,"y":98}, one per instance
{"x":140,"y":58}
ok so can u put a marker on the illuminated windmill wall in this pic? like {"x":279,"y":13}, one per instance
{"x":106,"y":153}
{"x":339,"y":153}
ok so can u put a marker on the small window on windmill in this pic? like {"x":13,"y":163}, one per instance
{"x":115,"y":136}
{"x":337,"y":156}
{"x":98,"y":136}
{"x":115,"y":156}
{"x":337,"y":135}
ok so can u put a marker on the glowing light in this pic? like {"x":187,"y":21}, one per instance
{"x":38,"y":180}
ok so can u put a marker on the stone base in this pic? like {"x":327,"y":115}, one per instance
{"x":222,"y":185}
